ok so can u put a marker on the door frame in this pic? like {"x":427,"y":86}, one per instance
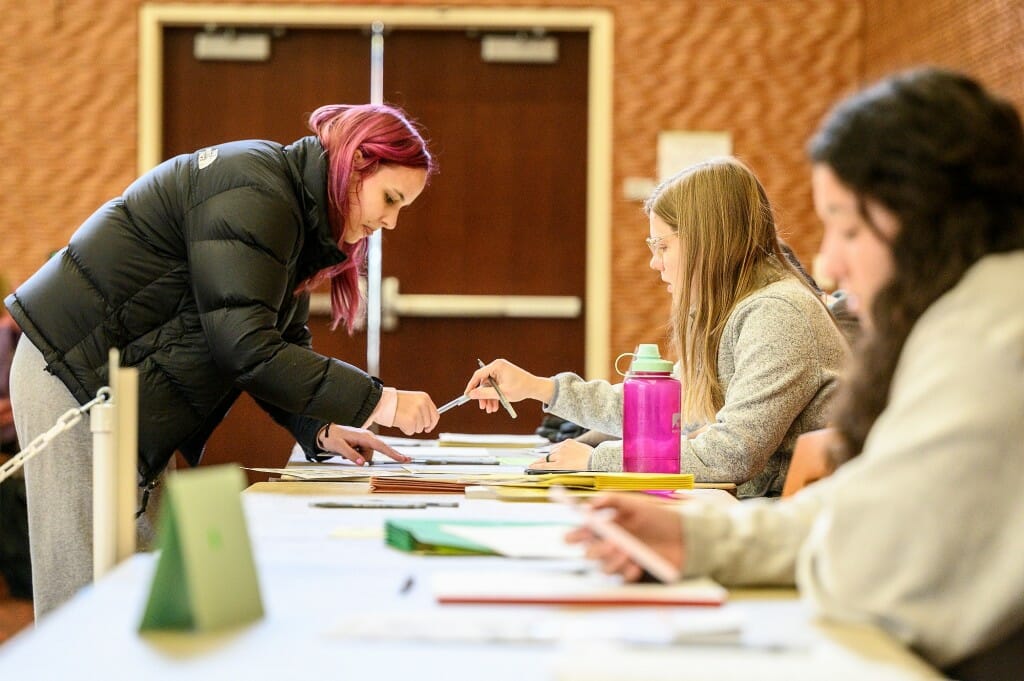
{"x":598,"y":23}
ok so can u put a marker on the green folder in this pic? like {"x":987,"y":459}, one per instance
{"x":429,"y":536}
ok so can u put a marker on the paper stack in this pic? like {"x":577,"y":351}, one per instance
{"x":424,"y":484}
{"x":606,"y":482}
{"x":491,"y":441}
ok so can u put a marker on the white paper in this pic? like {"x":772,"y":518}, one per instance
{"x":521,"y":541}
{"x":488,"y":440}
{"x":395,"y":441}
{"x":330,"y":473}
{"x":434,"y":452}
{"x":661,"y":626}
{"x":560,"y":587}
{"x":717,"y":497}
{"x":433,"y":470}
{"x":779,"y":662}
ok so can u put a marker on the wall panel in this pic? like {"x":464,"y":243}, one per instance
{"x":766,"y":71}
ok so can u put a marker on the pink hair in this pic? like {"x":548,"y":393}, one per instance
{"x":382,"y":135}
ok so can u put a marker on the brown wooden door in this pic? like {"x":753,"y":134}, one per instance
{"x":208,"y":102}
{"x":505,"y":215}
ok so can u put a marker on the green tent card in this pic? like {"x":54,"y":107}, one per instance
{"x":205,"y":577}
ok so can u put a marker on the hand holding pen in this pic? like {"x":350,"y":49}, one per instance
{"x":502,"y":378}
{"x":414,"y":412}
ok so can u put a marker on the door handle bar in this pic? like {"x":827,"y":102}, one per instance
{"x":395,"y":305}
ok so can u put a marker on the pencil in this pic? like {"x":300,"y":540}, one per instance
{"x":501,"y":396}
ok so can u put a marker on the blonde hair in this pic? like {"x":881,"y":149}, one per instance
{"x":728,"y":249}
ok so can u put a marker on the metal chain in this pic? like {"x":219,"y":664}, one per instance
{"x":66,"y":422}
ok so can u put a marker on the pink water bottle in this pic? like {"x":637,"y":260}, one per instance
{"x":650,"y":414}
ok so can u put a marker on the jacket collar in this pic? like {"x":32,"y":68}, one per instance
{"x":308,"y":162}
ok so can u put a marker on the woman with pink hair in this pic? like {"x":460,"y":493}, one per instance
{"x":200,"y":274}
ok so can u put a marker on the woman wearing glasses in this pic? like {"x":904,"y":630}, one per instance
{"x":759,"y":353}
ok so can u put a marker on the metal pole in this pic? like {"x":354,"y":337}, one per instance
{"x":374,"y":253}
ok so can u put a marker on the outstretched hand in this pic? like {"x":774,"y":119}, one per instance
{"x":416,"y":412}
{"x":568,"y":455}
{"x":357,"y":445}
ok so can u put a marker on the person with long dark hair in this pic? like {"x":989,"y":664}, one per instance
{"x":919,"y":182}
{"x":200,"y":275}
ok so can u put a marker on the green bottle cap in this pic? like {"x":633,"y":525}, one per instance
{"x":648,"y":358}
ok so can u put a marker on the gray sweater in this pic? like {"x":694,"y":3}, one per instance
{"x":920,"y":534}
{"x":778,"y":363}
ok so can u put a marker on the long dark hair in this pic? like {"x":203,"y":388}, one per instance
{"x":947,"y":159}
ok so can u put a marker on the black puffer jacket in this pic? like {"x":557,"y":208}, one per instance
{"x":190,"y":274}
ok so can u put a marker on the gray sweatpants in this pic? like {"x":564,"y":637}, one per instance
{"x":59,"y":484}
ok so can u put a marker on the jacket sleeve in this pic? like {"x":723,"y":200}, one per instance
{"x":754,"y":542}
{"x":303,"y":428}
{"x":776,"y":374}
{"x":592,"y":404}
{"x":241,"y":245}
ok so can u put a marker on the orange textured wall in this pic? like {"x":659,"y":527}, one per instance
{"x":765,"y":71}
{"x":985,"y":38}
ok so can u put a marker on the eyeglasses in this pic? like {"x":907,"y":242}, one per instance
{"x":655,"y":242}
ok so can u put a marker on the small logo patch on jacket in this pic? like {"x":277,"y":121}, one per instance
{"x":206,"y":157}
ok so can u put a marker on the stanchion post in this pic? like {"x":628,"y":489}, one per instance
{"x":102,"y":421}
{"x":127,"y":423}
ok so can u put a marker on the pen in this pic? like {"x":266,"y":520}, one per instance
{"x":465,"y":461}
{"x":457,"y":402}
{"x":384,"y":504}
{"x":457,"y":461}
{"x":501,"y":395}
